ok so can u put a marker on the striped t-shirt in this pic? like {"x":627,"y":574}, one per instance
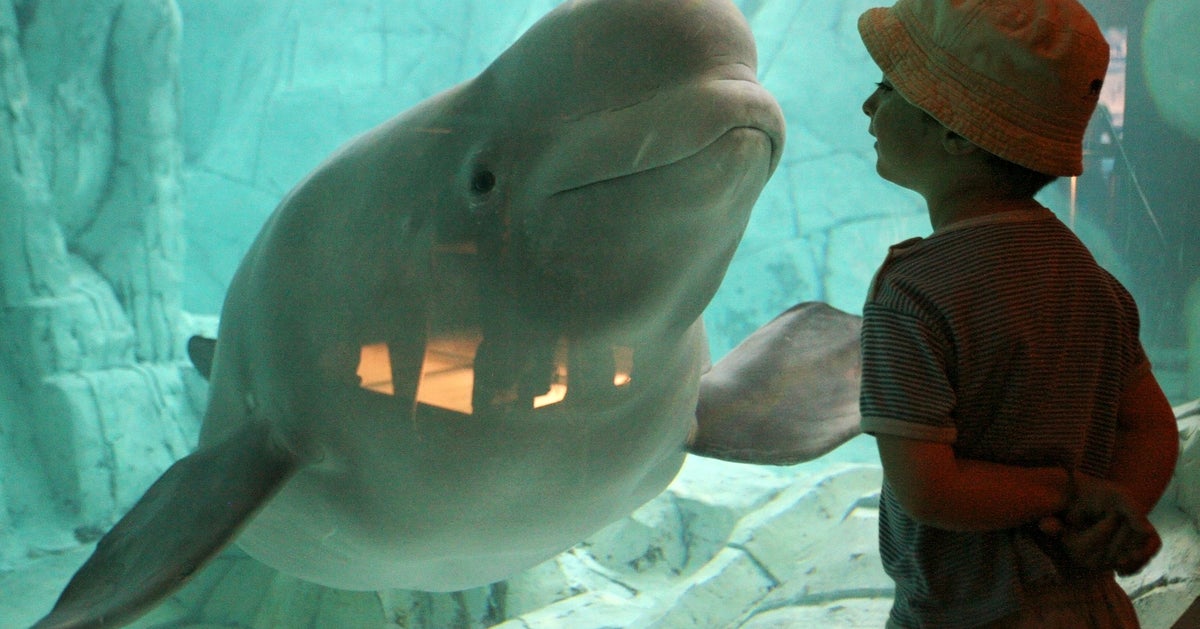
{"x":1001,"y":336}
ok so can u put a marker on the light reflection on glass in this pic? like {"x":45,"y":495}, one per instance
{"x":448,"y":374}
{"x":623,"y":363}
{"x":375,"y":369}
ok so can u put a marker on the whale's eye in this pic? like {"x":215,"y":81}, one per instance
{"x":483,"y":182}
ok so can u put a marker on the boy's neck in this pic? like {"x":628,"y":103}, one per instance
{"x":963,"y":187}
{"x":947,"y":210}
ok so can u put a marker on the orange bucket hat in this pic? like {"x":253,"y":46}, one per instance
{"x":1018,"y":78}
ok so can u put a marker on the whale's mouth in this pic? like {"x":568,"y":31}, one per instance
{"x":672,"y":128}
{"x":719,"y":156}
{"x":700,"y":179}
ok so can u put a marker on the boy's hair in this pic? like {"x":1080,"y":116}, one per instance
{"x":1018,"y":78}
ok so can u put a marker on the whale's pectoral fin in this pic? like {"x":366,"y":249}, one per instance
{"x":787,"y":394}
{"x":200,"y":350}
{"x":193,"y":511}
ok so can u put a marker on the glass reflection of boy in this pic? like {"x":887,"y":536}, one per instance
{"x":1022,"y":435}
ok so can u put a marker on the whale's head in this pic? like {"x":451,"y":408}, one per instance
{"x":620,"y":175}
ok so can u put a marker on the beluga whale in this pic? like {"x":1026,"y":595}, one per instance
{"x":472,"y":336}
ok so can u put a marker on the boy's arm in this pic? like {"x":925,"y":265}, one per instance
{"x":1147,"y":442}
{"x":937,"y":489}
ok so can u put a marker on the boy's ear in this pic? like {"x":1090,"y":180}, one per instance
{"x":955,"y":144}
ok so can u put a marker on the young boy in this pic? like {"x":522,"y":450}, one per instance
{"x":1003,"y":377}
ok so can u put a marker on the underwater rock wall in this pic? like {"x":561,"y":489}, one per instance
{"x":90,"y":264}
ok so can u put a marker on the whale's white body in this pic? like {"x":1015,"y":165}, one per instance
{"x":471,"y":337}
{"x":570,"y":211}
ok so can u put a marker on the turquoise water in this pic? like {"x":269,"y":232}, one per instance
{"x":151,"y":144}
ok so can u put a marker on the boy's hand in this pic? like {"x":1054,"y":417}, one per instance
{"x":1103,"y":529}
{"x":1109,"y":544}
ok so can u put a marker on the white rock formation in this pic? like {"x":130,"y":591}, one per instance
{"x":90,"y":263}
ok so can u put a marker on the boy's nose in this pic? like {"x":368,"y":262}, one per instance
{"x":868,"y":105}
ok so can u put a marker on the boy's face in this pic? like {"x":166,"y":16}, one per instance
{"x":907,"y":138}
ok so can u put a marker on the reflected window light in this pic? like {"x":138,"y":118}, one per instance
{"x":1112,"y":95}
{"x":558,"y":385}
{"x":556,"y":394}
{"x":375,"y":369}
{"x":623,"y":362}
{"x":448,"y":374}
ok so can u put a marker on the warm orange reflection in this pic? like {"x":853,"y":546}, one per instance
{"x":556,"y":394}
{"x":623,"y":363}
{"x":448,"y":374}
{"x":375,"y":369}
{"x":558,"y":386}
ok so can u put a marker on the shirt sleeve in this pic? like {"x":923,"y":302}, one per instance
{"x":906,"y":386}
